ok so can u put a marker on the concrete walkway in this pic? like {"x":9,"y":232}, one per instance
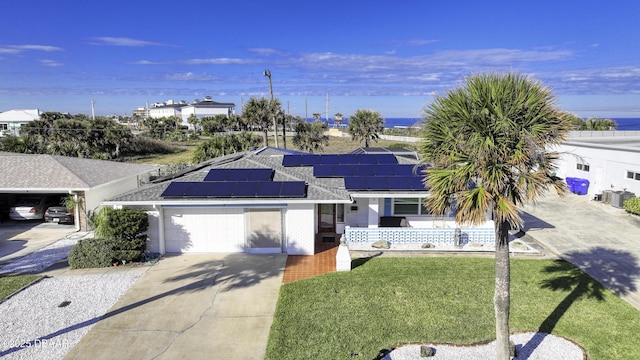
{"x":602,"y":240}
{"x":191,"y":307}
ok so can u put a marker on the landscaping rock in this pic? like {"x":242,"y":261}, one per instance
{"x":426,"y":351}
{"x":380,"y":244}
{"x":428,"y":246}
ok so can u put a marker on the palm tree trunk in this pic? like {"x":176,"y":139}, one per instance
{"x":502,"y":295}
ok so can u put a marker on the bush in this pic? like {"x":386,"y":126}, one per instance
{"x":92,"y":253}
{"x":632,"y":205}
{"x":121,"y":224}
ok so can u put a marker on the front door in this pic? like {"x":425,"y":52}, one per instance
{"x":326,"y":218}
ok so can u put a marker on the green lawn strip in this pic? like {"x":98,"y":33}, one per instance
{"x":11,"y":284}
{"x":387,"y":302}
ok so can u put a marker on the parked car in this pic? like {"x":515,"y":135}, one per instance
{"x":31,"y":207}
{"x":58,"y":214}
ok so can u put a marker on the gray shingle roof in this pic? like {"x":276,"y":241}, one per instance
{"x":37,"y":171}
{"x":318,"y":189}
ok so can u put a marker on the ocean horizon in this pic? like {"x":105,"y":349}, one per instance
{"x":623,"y":123}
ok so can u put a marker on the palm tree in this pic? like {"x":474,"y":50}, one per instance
{"x":487,"y":144}
{"x":310,"y":136}
{"x":365,"y":125}
{"x":258,"y":112}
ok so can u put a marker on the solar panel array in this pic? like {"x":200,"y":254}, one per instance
{"x":249,"y":174}
{"x":384,"y":183}
{"x":366,"y":170}
{"x":338,"y":159}
{"x":236,"y":189}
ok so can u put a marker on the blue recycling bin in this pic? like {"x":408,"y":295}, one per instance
{"x":581,"y":186}
{"x":570,"y":183}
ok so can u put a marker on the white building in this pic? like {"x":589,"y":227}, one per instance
{"x":609,"y":160}
{"x":183,"y":110}
{"x":207,"y":108}
{"x":10,"y":121}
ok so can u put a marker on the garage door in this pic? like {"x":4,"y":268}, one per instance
{"x":202,"y":229}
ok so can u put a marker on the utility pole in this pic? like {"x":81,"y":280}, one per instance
{"x":267,"y":73}
{"x":93,"y":110}
{"x":327,"y":110}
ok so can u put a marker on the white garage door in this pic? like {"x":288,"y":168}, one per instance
{"x":202,"y":229}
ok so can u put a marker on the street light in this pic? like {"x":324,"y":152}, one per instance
{"x":267,"y":73}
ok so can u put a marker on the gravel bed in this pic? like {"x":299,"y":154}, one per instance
{"x":530,"y":346}
{"x":48,"y":318}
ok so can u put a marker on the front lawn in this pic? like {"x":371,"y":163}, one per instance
{"x":11,"y":284}
{"x":386,"y":302}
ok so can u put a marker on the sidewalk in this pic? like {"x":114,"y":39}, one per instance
{"x":600,"y":239}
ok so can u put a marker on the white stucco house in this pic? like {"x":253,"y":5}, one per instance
{"x":279,"y":201}
{"x":608,"y":160}
{"x":206,"y":108}
{"x":10,"y":121}
{"x":184,"y":110}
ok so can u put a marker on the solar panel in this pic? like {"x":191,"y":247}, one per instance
{"x":293,"y":189}
{"x":291,"y":160}
{"x":250,"y":174}
{"x":246,"y":189}
{"x":270,"y":188}
{"x":328,"y":159}
{"x":385,"y":159}
{"x":176,"y":189}
{"x":348,"y":159}
{"x":324,"y":171}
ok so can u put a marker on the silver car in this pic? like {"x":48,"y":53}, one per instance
{"x":31,"y":207}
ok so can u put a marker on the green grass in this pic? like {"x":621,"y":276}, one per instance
{"x":387,"y":302}
{"x":11,"y":284}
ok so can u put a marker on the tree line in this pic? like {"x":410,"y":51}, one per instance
{"x":104,"y":138}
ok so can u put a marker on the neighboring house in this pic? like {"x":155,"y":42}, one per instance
{"x":10,"y":121}
{"x":184,"y":110}
{"x":206,"y":108}
{"x":609,"y":160}
{"x":168,"y":109}
{"x":278,"y":201}
{"x":92,"y":181}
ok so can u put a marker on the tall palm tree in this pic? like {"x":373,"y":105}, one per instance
{"x":257,"y":113}
{"x":365,"y":125}
{"x":488,"y":146}
{"x":310,"y":136}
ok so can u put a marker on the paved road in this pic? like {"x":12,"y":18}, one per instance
{"x":602,"y":240}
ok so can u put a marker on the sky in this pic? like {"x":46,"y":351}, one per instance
{"x":391,"y":57}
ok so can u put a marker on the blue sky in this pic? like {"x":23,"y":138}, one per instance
{"x":386,"y":56}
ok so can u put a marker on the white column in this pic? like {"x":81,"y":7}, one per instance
{"x":162,"y":246}
{"x":373,"y":212}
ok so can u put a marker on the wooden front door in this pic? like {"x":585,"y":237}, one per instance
{"x":326,"y":218}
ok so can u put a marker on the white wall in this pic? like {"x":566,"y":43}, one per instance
{"x":96,"y":196}
{"x":299,"y":229}
{"x":607,"y":167}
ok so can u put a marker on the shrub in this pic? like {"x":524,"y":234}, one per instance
{"x":632,"y":205}
{"x":92,"y":253}
{"x":121,"y":224}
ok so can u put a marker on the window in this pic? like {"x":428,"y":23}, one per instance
{"x":583,"y":167}
{"x":409,"y":206}
{"x":633,"y":175}
{"x":4,"y":127}
{"x":340,"y":213}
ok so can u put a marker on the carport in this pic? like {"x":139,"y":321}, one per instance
{"x":87,"y":181}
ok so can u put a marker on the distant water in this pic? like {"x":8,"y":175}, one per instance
{"x":623,"y":123}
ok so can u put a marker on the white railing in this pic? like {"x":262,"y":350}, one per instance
{"x":436,"y":236}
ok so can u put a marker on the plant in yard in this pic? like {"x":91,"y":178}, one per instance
{"x":310,"y":136}
{"x":487,"y":146}
{"x":632,"y":205}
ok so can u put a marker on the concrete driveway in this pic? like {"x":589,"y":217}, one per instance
{"x":191,"y":307}
{"x":601,"y":240}
{"x":20,"y":238}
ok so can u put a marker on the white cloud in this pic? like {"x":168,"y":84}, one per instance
{"x":217,"y":61}
{"x":50,"y":63}
{"x":189,"y":76}
{"x":124,"y":41}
